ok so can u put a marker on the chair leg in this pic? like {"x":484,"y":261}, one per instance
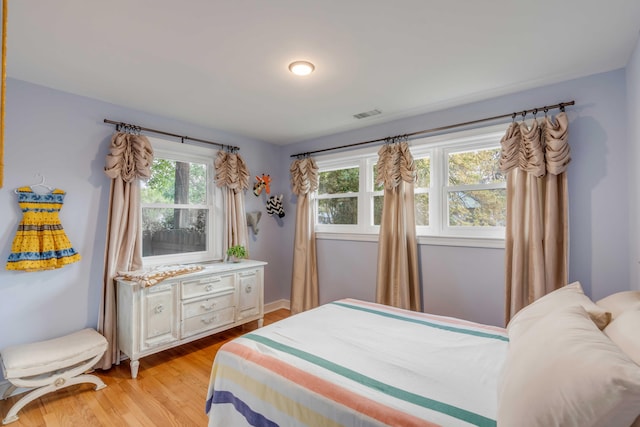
{"x":8,"y":391}
{"x":12,"y":415}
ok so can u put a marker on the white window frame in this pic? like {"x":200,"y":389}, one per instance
{"x":438,"y":232}
{"x":165,"y":149}
{"x":334,"y":162}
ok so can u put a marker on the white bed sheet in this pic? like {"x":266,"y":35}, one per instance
{"x":353,"y":363}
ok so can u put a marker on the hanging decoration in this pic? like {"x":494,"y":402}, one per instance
{"x":252,"y":220}
{"x":40,"y":242}
{"x":262,"y":183}
{"x":274,"y":206}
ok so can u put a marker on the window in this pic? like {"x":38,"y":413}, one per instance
{"x":459,"y":192}
{"x":338,"y":195}
{"x":475,"y":190}
{"x":181,"y":221}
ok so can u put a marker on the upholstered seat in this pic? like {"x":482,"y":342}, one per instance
{"x":51,"y":365}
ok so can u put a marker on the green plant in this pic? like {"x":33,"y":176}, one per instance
{"x":237,"y":251}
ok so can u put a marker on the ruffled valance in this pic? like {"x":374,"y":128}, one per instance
{"x":531,"y":158}
{"x":130,"y":157}
{"x":558,"y":152}
{"x":395,"y":164}
{"x":304,"y":176}
{"x":510,"y":148}
{"x":539,"y":149}
{"x":231,"y":171}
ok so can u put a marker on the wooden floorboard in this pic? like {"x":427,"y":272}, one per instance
{"x":170,"y":390}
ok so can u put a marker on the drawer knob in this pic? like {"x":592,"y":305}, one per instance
{"x":248,"y":289}
{"x":207,"y":308}
{"x":158,"y":309}
{"x":209,"y":288}
{"x":208,"y":321}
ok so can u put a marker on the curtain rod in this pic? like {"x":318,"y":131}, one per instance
{"x":408,"y":135}
{"x":140,"y":128}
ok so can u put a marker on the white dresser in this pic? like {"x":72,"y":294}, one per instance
{"x":187,"y":307}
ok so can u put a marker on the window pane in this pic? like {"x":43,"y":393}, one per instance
{"x":197,"y":183}
{"x":343,"y":210}
{"x":176,"y":182}
{"x":480,"y":208}
{"x":376,"y":186}
{"x":423,"y":168}
{"x":475,"y":167}
{"x":339,"y":181}
{"x":173,"y":231}
{"x":377,"y":209}
{"x":422,"y":209}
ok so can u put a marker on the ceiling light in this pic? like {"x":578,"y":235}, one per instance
{"x":301,"y":68}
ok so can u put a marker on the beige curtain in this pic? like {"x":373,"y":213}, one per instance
{"x":397,"y":282}
{"x":233,"y":175}
{"x":129,"y":160}
{"x":304,"y":279}
{"x":535,"y":159}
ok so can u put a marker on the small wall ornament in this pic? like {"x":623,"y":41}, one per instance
{"x":252,"y":220}
{"x":274,"y":206}
{"x":262,"y":183}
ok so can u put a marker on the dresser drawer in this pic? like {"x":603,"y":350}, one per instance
{"x":207,"y":305}
{"x":207,"y":285}
{"x":207,"y":321}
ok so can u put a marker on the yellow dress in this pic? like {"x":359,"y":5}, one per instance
{"x":40,"y":242}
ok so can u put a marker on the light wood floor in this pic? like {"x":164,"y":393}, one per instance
{"x":170,"y":390}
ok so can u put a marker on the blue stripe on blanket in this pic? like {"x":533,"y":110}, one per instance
{"x":253,"y":418}
{"x":425,"y":323}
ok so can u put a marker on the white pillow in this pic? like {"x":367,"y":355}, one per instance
{"x":620,"y":301}
{"x":566,"y":296}
{"x":624,"y":330}
{"x":567,"y":373}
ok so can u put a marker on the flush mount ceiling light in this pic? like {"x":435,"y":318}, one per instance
{"x":301,"y":68}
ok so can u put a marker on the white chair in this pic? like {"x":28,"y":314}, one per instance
{"x":51,"y":365}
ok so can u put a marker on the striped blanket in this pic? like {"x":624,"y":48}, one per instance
{"x":353,"y":363}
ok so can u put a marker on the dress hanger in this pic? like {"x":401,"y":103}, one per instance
{"x":39,"y":184}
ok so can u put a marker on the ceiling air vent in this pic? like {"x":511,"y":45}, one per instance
{"x":367,"y":114}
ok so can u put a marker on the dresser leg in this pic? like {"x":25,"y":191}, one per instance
{"x":134,"y":364}
{"x":260,"y":322}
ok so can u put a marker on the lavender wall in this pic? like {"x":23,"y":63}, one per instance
{"x":468,"y":282}
{"x":63,"y":137}
{"x":633,"y":114}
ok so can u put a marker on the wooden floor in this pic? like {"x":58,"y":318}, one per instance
{"x":170,"y":390}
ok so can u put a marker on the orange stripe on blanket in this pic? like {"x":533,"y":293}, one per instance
{"x":327,"y":389}
{"x":419,"y":314}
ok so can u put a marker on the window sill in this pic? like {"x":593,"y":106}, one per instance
{"x":470,"y":242}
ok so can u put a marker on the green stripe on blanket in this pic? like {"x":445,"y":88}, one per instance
{"x":387,"y":389}
{"x":426,"y":323}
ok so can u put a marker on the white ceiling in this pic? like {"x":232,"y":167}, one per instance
{"x":223,"y":64}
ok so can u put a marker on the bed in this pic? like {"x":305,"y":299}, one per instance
{"x":356,"y":363}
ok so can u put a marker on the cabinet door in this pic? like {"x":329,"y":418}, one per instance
{"x":250,"y":294}
{"x":159,"y":315}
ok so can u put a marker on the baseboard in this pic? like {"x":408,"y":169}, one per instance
{"x":277,"y":305}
